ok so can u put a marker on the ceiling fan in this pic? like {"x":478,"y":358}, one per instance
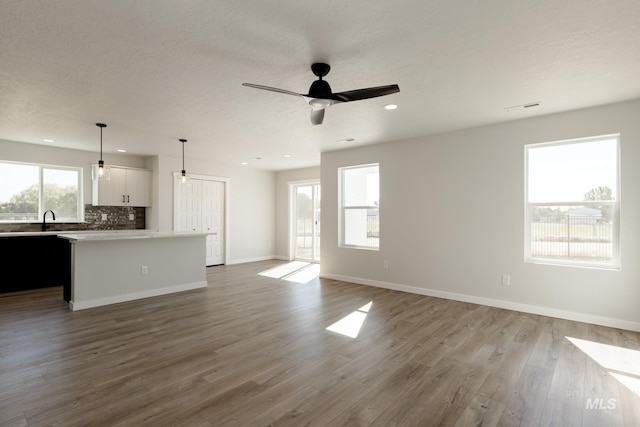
{"x":320,"y":96}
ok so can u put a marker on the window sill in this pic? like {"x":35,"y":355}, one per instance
{"x":366,"y":248}
{"x":559,"y":263}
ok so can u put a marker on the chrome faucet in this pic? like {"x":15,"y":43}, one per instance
{"x":44,"y":219}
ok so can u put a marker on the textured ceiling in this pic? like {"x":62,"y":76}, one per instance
{"x":160,"y":70}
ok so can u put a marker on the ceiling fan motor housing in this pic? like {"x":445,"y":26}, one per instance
{"x":320,"y":89}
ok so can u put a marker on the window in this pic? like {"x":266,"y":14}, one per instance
{"x":29,"y":190}
{"x":572,"y":202}
{"x":360,"y":206}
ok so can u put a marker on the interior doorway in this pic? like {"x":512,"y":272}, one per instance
{"x":305,"y":221}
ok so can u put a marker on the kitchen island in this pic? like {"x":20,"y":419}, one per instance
{"x":113,"y":267}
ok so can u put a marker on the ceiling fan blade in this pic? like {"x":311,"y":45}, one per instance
{"x":317,"y":116}
{"x":272,"y":89}
{"x":371,"y":92}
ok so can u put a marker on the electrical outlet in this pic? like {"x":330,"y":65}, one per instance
{"x":385,"y":264}
{"x":104,"y":217}
{"x":506,"y":280}
{"x":144,"y":270}
{"x":132,"y":217}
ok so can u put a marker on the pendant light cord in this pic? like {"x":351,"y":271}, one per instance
{"x":182,"y":141}
{"x":101,"y":125}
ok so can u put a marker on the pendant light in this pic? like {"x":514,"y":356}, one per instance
{"x":101,"y":172}
{"x":183,"y":179}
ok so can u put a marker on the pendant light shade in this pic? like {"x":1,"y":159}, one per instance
{"x":183,"y":178}
{"x":101,"y":172}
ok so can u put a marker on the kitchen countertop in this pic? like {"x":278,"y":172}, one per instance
{"x":95,"y":235}
{"x":59,"y":232}
{"x":139,"y":234}
{"x":29,"y":233}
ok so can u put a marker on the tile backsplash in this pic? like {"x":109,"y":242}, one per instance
{"x":117,"y":218}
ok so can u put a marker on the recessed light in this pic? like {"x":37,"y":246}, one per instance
{"x":390,"y":107}
{"x":286,"y":155}
{"x":244,"y":163}
{"x":120,"y":150}
{"x":48,"y":140}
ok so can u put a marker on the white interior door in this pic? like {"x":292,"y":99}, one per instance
{"x":200,"y":206}
{"x":306,"y":222}
{"x":190,"y":206}
{"x":213,"y":220}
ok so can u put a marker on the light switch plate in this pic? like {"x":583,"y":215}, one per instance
{"x":104,"y":217}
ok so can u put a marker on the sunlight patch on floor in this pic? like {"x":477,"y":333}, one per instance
{"x":294,"y":271}
{"x":284,"y":269}
{"x":622,"y":363}
{"x":352,"y":323}
{"x":304,"y":275}
{"x":632,"y":383}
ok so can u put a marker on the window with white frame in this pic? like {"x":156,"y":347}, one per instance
{"x":28,"y":190}
{"x":360,"y":206}
{"x":572,"y":202}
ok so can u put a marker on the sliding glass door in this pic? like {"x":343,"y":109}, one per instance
{"x":306,"y":221}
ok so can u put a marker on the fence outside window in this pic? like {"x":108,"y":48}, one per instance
{"x":572,"y":236}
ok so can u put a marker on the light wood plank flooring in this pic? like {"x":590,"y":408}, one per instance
{"x":253,"y":351}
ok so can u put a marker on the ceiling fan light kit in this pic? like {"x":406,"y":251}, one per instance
{"x":320,"y":95}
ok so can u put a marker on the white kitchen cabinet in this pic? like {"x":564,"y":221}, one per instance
{"x":126,"y":187}
{"x":138,"y":187}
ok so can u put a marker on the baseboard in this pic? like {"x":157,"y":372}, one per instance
{"x":246,"y":260}
{"x":98,"y":302}
{"x":509,"y":305}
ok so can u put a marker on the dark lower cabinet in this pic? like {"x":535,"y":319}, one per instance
{"x":32,"y":262}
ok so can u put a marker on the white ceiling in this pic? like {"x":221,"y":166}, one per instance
{"x":159,"y":70}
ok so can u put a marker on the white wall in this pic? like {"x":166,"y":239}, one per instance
{"x":452,"y":209}
{"x":251,"y":211}
{"x":44,"y":154}
{"x":283,"y":178}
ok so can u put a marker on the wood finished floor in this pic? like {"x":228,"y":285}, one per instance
{"x":253,"y":351}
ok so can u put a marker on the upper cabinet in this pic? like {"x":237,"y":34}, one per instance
{"x":126,"y":187}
